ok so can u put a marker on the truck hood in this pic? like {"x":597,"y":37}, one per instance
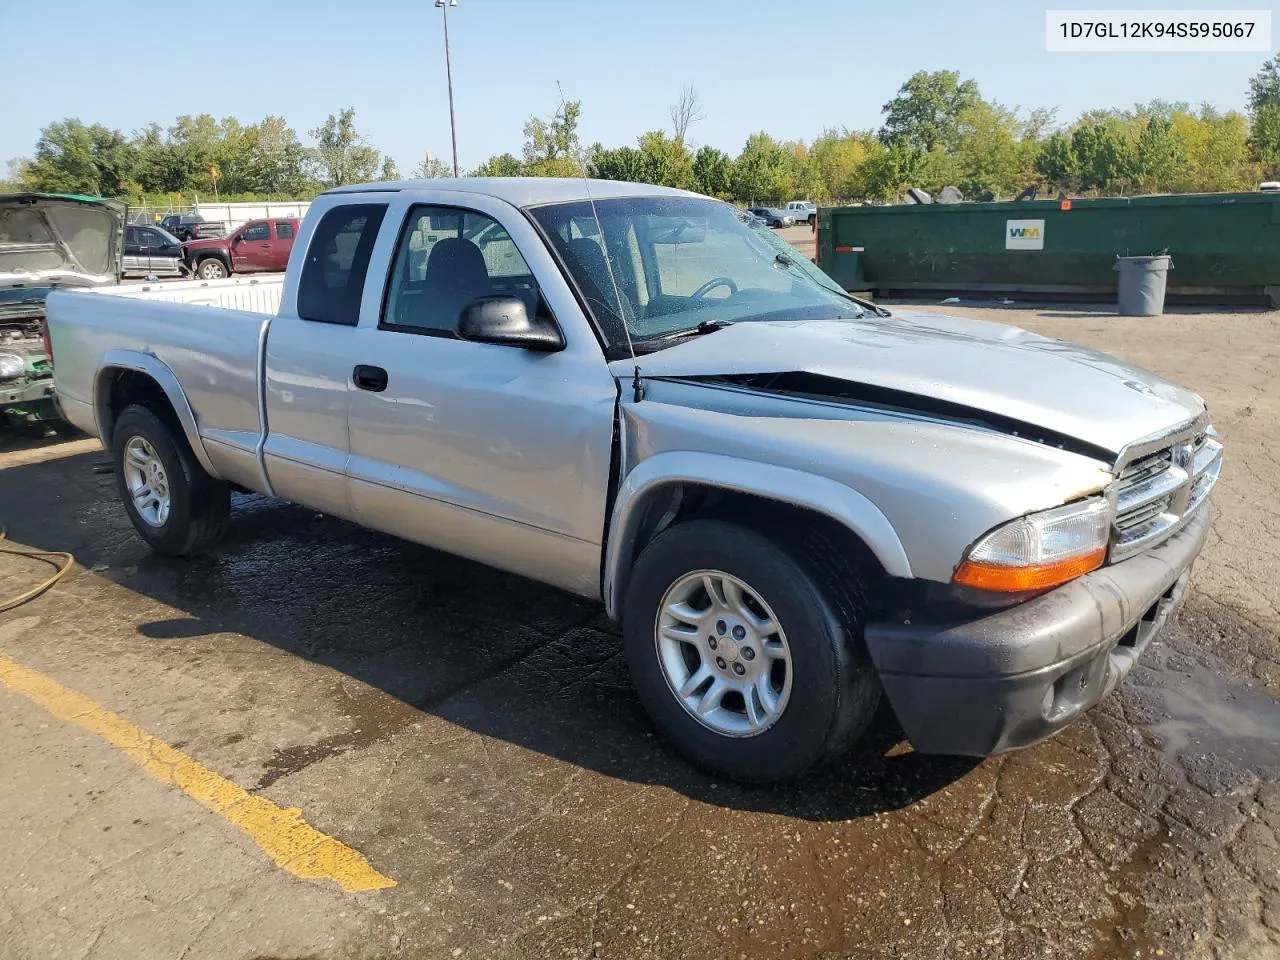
{"x":939,"y":365}
{"x":207,"y":243}
{"x":51,"y":240}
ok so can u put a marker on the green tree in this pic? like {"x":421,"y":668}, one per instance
{"x":763,"y":171}
{"x":713,"y":173}
{"x":71,"y":157}
{"x":1160,"y":156}
{"x":666,"y":160}
{"x":1264,"y":112}
{"x":656,"y":159}
{"x":616,"y":163}
{"x":1264,"y":88}
{"x":1217,"y":151}
{"x":1056,"y":162}
{"x":551,"y":146}
{"x":926,"y":111}
{"x":13,"y":180}
{"x":837,"y":158}
{"x":389,"y":170}
{"x":341,"y":155}
{"x":195,"y":148}
{"x":888,"y":170}
{"x":1264,"y":138}
{"x":1104,"y":157}
{"x":277,"y":159}
{"x":986,"y":154}
{"x":432,"y":168}
{"x":503,"y":165}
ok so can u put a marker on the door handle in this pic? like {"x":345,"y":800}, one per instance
{"x":373,"y":379}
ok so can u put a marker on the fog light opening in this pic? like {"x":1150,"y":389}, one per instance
{"x":1130,"y":639}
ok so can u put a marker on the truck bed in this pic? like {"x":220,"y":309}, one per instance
{"x":171,"y":330}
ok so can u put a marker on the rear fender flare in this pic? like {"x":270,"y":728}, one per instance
{"x":155,"y":368}
{"x":783,"y":484}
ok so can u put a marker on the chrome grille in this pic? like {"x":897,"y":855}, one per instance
{"x":1157,"y":492}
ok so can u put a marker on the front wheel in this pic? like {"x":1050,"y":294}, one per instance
{"x":175,"y":506}
{"x":750,"y":666}
{"x":211,"y":268}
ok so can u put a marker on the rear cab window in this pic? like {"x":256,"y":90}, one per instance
{"x":337,"y":262}
{"x":284,"y":231}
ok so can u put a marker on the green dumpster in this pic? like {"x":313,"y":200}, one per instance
{"x":1226,"y":246}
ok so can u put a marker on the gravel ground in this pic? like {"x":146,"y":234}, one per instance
{"x":475,"y":737}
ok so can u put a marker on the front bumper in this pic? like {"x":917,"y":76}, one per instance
{"x":1012,"y":678}
{"x":26,"y":399}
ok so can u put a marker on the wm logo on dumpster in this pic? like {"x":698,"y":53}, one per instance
{"x":1024,"y":234}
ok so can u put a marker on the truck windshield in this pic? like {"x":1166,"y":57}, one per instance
{"x":657,"y":267}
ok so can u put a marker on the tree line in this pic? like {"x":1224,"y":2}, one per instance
{"x":938,"y":130}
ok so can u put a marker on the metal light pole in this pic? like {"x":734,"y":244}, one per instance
{"x":448,"y":69}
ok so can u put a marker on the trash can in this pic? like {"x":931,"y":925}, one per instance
{"x":1141,"y":283}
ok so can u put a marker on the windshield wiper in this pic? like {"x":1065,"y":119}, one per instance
{"x":706,"y":326}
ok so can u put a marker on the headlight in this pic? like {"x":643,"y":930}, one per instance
{"x":12,"y":366}
{"x":1041,"y":550}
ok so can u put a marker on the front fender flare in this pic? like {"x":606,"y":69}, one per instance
{"x":795,"y":487}
{"x":155,"y":368}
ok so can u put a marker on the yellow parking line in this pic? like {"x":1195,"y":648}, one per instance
{"x":294,"y":845}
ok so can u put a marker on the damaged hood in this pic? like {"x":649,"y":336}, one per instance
{"x":945,"y":365}
{"x":54,"y":240}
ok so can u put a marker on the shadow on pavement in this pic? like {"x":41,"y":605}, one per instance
{"x":494,"y":653}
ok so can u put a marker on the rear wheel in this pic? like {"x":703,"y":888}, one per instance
{"x":750,"y":666}
{"x":175,"y":506}
{"x":211,"y":268}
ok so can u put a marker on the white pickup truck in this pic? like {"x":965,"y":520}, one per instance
{"x":793,"y":501}
{"x":804,"y":211}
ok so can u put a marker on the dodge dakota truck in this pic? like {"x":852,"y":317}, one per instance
{"x":794,"y":502}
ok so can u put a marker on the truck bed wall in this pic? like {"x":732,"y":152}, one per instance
{"x":213,"y":352}
{"x":252,"y":294}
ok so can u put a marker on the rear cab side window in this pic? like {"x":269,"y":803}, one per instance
{"x":284,"y":231}
{"x":337,"y":261}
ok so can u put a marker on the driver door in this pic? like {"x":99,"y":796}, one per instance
{"x":251,"y":248}
{"x":489,"y":451}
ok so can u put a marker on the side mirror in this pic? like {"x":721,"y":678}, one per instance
{"x":505,"y":320}
{"x":237,"y":240}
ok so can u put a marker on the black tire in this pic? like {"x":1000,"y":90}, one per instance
{"x":211,"y":268}
{"x":834,"y":692}
{"x":200,"y":506}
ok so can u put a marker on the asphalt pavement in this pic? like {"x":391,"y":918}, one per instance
{"x":324,"y":742}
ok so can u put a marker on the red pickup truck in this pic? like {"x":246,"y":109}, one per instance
{"x":259,"y":245}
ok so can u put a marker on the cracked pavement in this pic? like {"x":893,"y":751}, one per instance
{"x":475,"y":737}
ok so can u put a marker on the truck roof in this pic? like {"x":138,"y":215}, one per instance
{"x":523,"y":191}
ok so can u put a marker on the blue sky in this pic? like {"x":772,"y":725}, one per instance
{"x":791,"y":67}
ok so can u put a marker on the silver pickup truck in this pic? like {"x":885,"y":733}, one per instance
{"x":793,"y":501}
